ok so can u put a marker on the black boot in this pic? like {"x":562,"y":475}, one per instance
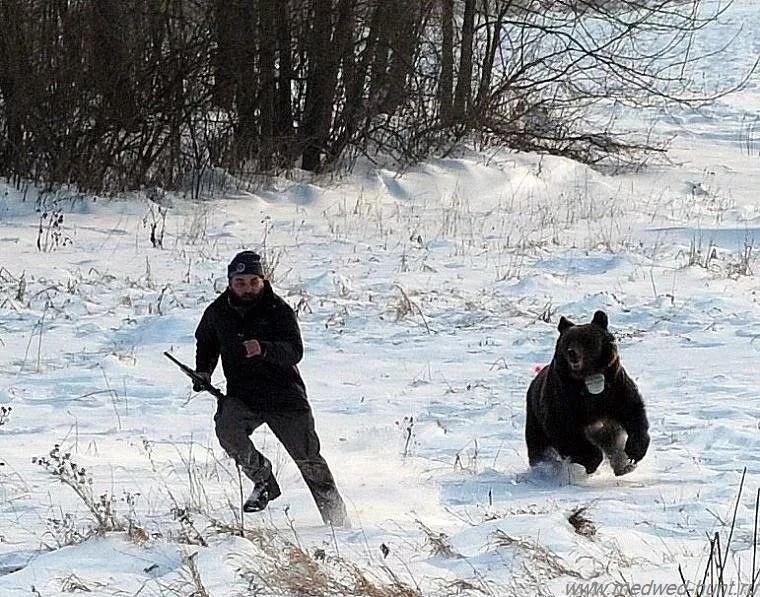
{"x":263,"y":493}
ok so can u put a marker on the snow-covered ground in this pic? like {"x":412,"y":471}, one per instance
{"x":425,"y":301}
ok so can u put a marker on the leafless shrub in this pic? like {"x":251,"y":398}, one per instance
{"x":63,"y":531}
{"x":699,"y":255}
{"x":405,"y":307}
{"x":5,"y":413}
{"x":548,"y":312}
{"x":196,"y":230}
{"x":750,"y":136}
{"x":742,"y":266}
{"x":21,"y":288}
{"x":155,"y":220}
{"x":439,"y":543}
{"x":271,"y":256}
{"x":62,"y":467}
{"x":468,"y":457}
{"x":406,"y":426}
{"x":50,"y":232}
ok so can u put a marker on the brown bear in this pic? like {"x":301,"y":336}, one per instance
{"x":583,"y":405}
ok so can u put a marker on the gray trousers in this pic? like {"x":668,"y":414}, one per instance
{"x":235,"y":422}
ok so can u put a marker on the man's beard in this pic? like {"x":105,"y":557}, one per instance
{"x":246,"y":299}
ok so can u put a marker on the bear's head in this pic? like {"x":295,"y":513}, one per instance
{"x":586,"y":350}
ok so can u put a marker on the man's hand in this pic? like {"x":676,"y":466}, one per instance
{"x":197,"y":387}
{"x":252,"y":348}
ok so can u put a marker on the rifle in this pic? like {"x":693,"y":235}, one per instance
{"x":203,"y":383}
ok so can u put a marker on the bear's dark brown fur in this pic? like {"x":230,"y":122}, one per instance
{"x":570,"y":412}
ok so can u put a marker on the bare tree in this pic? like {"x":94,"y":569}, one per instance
{"x":118,"y":95}
{"x":15,"y":83}
{"x":283,"y":125}
{"x":562,"y":71}
{"x":446,"y":79}
{"x":462,"y":94}
{"x":320,"y":86}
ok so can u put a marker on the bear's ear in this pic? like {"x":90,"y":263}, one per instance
{"x":600,"y":319}
{"x":564,"y":323}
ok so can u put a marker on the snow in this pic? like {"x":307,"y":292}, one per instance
{"x":426,"y":299}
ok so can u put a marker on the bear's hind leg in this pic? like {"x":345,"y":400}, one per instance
{"x":587,"y":454}
{"x":539,"y":447}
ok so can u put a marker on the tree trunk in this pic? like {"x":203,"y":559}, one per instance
{"x":268,"y":44}
{"x":14,"y":102}
{"x":109,"y":62}
{"x":382,"y":23}
{"x":402,"y":48}
{"x":464,"y":79}
{"x":226,"y":26}
{"x":319,"y":94}
{"x":493,"y":42}
{"x":354,"y":79}
{"x":283,"y":107}
{"x":446,"y":80}
{"x":244,"y":55}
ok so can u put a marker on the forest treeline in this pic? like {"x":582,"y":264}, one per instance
{"x":110,"y":95}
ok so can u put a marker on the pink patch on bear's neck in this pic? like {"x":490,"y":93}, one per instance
{"x":538,"y":368}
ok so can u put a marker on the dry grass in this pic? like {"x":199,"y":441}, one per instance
{"x":279,"y":567}
{"x":538,"y":559}
{"x":74,"y":584}
{"x":406,"y":307}
{"x":5,"y":413}
{"x":195,"y":581}
{"x":439,"y":543}
{"x":582,"y":524}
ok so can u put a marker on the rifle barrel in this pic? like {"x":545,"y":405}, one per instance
{"x":213,"y":390}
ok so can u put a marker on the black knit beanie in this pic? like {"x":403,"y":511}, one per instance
{"x":246,"y":263}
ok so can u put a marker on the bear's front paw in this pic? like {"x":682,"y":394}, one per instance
{"x":636,"y":446}
{"x":620,"y":462}
{"x":623,"y":468}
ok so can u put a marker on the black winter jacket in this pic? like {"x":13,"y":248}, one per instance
{"x":270,"y":381}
